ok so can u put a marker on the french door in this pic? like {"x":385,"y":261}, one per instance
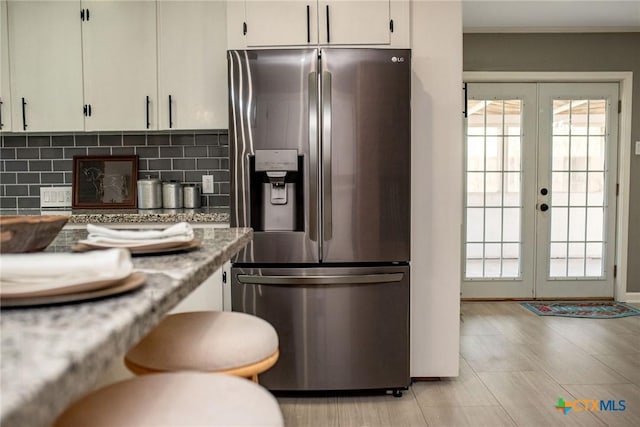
{"x":540,"y":190}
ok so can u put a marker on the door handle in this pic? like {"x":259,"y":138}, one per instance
{"x":24,"y":114}
{"x":313,"y":156}
{"x":321,"y":280}
{"x":170,"y":114}
{"x":148,"y":102}
{"x":308,"y":24}
{"x":544,"y":207}
{"x":328,"y":26}
{"x":327,"y":226}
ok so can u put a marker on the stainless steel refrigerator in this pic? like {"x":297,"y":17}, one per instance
{"x":320,"y":168}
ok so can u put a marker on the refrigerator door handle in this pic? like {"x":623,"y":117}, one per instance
{"x":313,"y":156}
{"x":326,"y":155}
{"x":321,"y":280}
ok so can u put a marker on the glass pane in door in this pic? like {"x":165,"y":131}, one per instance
{"x":493,"y":203}
{"x":578,"y":177}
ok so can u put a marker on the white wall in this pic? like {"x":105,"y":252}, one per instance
{"x":436,"y":213}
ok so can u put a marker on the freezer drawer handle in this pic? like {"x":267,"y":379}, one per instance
{"x":320,"y":280}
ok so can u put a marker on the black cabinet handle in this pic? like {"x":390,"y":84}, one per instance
{"x":82,"y":14}
{"x":89,"y":110}
{"x":308,"y":24}
{"x":148,"y":102}
{"x":24,"y":115}
{"x":544,"y":191}
{"x":466,"y":101}
{"x":1,"y":104}
{"x":87,"y":14}
{"x":328,"y":27}
{"x":85,"y":110}
{"x":544,"y":207}
{"x":170,"y":114}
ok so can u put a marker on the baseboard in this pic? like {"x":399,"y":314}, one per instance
{"x":631,"y":297}
{"x":538,"y":299}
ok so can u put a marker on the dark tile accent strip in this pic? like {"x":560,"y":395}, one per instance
{"x":7,"y":153}
{"x":171,"y":152}
{"x":28,"y":178}
{"x":28,"y":202}
{"x":17,"y":190}
{"x":7,"y":178}
{"x":16,"y":165}
{"x":28,"y":153}
{"x":14,"y":141}
{"x":38,"y":141}
{"x":28,"y":162}
{"x":51,"y":153}
{"x":62,"y":141}
{"x":41,"y":165}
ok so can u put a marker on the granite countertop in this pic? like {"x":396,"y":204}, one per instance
{"x":113,"y":216}
{"x":52,"y":355}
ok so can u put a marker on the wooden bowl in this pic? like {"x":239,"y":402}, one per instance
{"x":29,"y":233}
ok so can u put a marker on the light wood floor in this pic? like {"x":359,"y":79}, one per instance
{"x":514,"y":366}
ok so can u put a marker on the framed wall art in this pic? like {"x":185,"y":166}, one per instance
{"x":104,"y":181}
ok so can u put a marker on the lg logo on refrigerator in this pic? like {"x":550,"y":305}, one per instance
{"x":397,"y":59}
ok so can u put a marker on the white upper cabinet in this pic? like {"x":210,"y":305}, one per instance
{"x":46,"y":66}
{"x":266,"y":23}
{"x":192,"y":67}
{"x":5,"y":90}
{"x":119,"y":57}
{"x":277,"y":23}
{"x":352,"y":22}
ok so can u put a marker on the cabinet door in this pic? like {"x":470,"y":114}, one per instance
{"x":206,"y":297}
{"x":119,"y":53}
{"x":281,"y":23}
{"x":350,"y":22}
{"x":192,"y":71}
{"x":46,"y":65}
{"x":5,"y":92}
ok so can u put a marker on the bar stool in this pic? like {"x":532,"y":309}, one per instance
{"x":210,"y":341}
{"x":175,"y":399}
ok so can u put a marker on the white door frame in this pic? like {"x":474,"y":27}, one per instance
{"x":625,"y":79}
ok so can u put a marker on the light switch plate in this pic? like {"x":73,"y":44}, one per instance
{"x":55,"y":197}
{"x":207,"y":184}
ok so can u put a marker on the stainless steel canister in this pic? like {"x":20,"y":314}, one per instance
{"x":149,"y":193}
{"x":191,"y":196}
{"x":171,"y":195}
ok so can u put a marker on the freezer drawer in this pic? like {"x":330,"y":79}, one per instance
{"x":339,"y":328}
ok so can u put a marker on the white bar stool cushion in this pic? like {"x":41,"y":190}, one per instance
{"x":205,"y":341}
{"x":176,"y":399}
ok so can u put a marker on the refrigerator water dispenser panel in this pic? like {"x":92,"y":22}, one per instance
{"x":276,"y":160}
{"x":277,"y":173}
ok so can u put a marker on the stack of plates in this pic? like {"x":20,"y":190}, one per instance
{"x":178,"y":237}
{"x":62,"y":278}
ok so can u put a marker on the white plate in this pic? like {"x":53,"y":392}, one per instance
{"x":129,"y":283}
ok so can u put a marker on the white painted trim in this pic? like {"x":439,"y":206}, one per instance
{"x":632,"y":29}
{"x":625,"y":78}
{"x":631,"y":297}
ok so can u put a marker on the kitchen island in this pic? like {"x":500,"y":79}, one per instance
{"x":52,"y":355}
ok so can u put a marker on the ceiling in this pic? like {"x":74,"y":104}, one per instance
{"x":550,"y":15}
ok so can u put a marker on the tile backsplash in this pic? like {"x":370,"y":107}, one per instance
{"x":28,"y":162}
